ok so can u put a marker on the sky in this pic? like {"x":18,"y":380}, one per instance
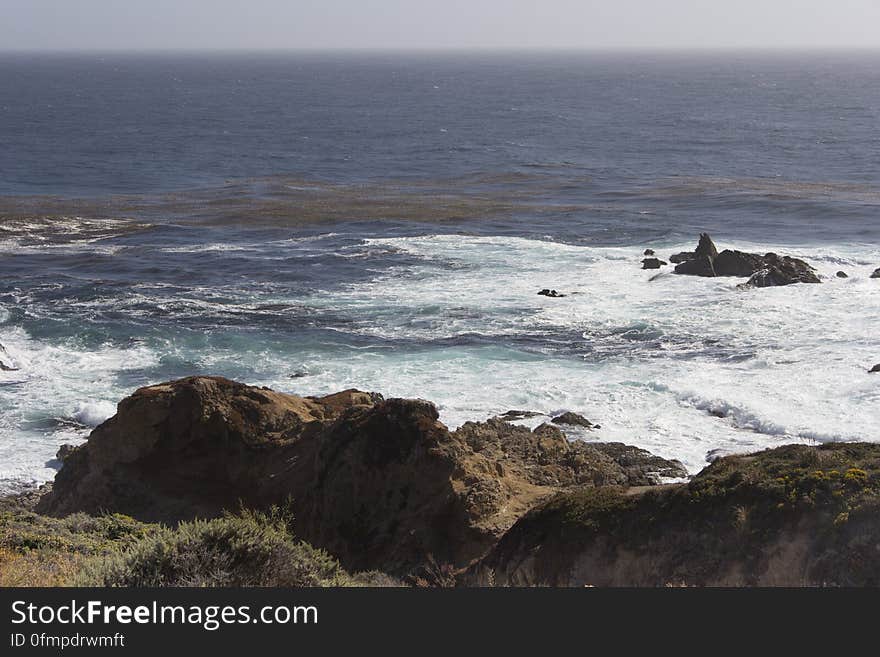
{"x":436,"y":24}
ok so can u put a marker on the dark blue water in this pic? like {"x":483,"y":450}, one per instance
{"x":90,"y":124}
{"x":384,"y":221}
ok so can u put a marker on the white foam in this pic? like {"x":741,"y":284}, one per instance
{"x":677,"y":365}
{"x":63,"y":234}
{"x":63,"y":380}
{"x":661,"y":358}
{"x":91,"y":414}
{"x":209,"y":248}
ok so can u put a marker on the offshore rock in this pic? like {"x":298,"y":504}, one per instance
{"x":698,"y":266}
{"x":652,"y":263}
{"x":737,"y":263}
{"x":764,"y":270}
{"x":782,"y":270}
{"x":573,"y":419}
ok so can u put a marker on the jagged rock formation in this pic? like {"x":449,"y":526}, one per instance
{"x":705,"y":249}
{"x":782,"y":270}
{"x":737,"y":263}
{"x":764,"y":270}
{"x":380,"y":484}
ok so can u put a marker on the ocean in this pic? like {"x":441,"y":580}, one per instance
{"x":315,"y":222}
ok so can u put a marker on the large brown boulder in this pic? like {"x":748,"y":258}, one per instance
{"x":185,"y":449}
{"x":381,"y":484}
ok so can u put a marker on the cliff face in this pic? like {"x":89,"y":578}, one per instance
{"x":793,"y":516}
{"x":381,"y":484}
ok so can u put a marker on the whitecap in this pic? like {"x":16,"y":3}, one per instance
{"x":93,"y":413}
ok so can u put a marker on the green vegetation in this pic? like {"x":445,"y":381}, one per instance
{"x":246,"y":549}
{"x":755,"y":511}
{"x":250,"y":549}
{"x":36,"y":550}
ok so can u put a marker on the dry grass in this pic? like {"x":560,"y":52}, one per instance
{"x":37,"y":568}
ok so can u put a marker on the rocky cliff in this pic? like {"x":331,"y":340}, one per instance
{"x":380,"y":484}
{"x":792,"y":516}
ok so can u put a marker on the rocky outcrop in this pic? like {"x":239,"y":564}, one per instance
{"x":639,"y":464}
{"x":550,"y":293}
{"x":705,"y":249}
{"x":512,"y":416}
{"x":653,"y":263}
{"x":701,"y":266}
{"x":782,"y":270}
{"x":842,"y":274}
{"x":737,"y":263}
{"x":573,"y":419}
{"x":875,"y":369}
{"x":380,"y":484}
{"x":763,"y":270}
{"x":649,"y":252}
{"x":876,"y":273}
{"x":64,"y":451}
{"x":791,"y":516}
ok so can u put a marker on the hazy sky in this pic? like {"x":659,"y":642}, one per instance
{"x":257,"y":24}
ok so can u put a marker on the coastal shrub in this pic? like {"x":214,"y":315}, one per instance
{"x":36,"y":567}
{"x":37,"y":550}
{"x":248,"y":549}
{"x":742,"y":519}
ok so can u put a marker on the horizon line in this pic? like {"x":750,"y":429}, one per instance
{"x":726,"y":49}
